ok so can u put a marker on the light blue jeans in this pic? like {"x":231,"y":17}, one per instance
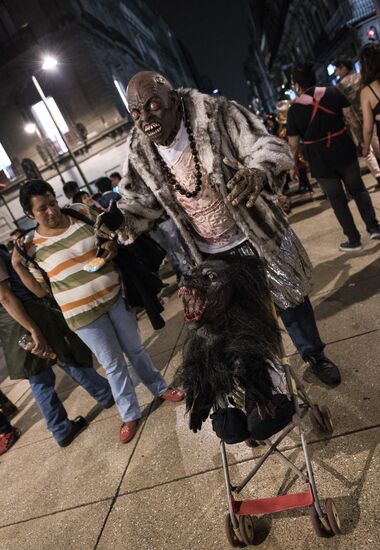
{"x":109,"y":337}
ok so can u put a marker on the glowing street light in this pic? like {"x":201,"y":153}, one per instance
{"x":48,"y":64}
{"x":30,"y":128}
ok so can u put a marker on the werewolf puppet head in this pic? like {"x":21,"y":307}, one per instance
{"x":233,"y":333}
{"x":206,"y":293}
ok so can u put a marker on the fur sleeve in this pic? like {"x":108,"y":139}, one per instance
{"x":255,"y":147}
{"x":138,"y":204}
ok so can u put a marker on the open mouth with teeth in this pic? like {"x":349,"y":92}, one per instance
{"x":194,"y":303}
{"x":153,"y":130}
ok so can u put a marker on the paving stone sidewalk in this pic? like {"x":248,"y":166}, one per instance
{"x":165,"y":490}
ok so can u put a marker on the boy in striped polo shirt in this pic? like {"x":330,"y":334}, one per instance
{"x":91,"y":303}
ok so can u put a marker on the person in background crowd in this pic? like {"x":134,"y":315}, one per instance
{"x":168,"y":237}
{"x":211,"y":165}
{"x":104,"y":186}
{"x":85,"y":198}
{"x":69,"y":189}
{"x":91,"y":301}
{"x":369,"y":58}
{"x":350,"y":84}
{"x":21,"y":311}
{"x":115,"y":178}
{"x":318,"y":117}
{"x":271,"y":124}
{"x":7,"y":408}
{"x":96,"y":197}
{"x":8,"y":434}
{"x":301,"y":164}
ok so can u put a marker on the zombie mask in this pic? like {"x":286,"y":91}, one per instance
{"x":153,"y":105}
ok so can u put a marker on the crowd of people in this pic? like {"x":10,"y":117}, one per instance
{"x":202,"y":177}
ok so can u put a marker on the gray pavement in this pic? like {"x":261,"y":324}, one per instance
{"x":165,"y":490}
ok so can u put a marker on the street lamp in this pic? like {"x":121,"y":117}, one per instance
{"x":48,"y":64}
{"x":31,"y":128}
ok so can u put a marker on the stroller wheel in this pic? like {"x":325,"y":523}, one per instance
{"x":333,"y":517}
{"x":231,"y":533}
{"x":317,"y":524}
{"x":322,"y":423}
{"x":246,"y":529}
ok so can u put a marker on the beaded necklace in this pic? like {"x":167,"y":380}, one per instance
{"x":169,"y":174}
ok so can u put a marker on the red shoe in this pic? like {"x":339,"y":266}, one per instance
{"x":128,"y":431}
{"x":173,"y":394}
{"x":8,"y":439}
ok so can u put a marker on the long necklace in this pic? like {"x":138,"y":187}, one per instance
{"x":169,"y":174}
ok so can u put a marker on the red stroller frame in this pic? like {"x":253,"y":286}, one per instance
{"x":239,"y":521}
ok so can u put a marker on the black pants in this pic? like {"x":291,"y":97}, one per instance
{"x":5,"y":426}
{"x":302,"y":328}
{"x":333,"y":187}
{"x":299,"y":320}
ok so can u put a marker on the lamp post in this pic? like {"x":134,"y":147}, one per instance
{"x":31,"y":128}
{"x":48,"y":64}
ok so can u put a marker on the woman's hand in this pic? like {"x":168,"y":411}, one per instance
{"x":17,"y":257}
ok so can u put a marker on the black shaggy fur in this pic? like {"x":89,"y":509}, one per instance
{"x":229,"y":345}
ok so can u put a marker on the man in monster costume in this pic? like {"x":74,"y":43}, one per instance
{"x":211,"y":166}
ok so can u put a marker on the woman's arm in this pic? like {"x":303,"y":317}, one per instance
{"x":368,"y":119}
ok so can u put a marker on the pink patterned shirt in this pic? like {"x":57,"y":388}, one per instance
{"x":214,"y":226}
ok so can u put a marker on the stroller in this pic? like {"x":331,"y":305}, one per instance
{"x":239,"y":520}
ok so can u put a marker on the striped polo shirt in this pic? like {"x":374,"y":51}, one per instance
{"x":83,"y":297}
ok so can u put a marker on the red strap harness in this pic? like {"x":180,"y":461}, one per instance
{"x":305,"y":99}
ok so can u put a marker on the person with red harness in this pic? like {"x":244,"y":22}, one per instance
{"x":317,"y":117}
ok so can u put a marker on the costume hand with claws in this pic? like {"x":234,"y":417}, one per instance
{"x":246,"y":184}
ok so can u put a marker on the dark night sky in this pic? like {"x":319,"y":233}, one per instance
{"x":215,"y":34}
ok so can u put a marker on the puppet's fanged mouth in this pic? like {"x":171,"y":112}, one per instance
{"x":194,"y":303}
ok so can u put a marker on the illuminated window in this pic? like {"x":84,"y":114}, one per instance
{"x":47,"y":126}
{"x":5,"y":163}
{"x":119,"y":88}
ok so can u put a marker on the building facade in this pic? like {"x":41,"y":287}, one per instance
{"x":99,"y":45}
{"x":286,"y":32}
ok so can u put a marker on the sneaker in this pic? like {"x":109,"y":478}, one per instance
{"x":77,"y":426}
{"x":350,"y":247}
{"x":128,"y":431}
{"x":8,"y":439}
{"x":375,"y":234}
{"x":173,"y":394}
{"x":325,"y":369}
{"x":8,"y":408}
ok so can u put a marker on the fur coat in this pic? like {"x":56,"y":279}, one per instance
{"x":221,"y":128}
